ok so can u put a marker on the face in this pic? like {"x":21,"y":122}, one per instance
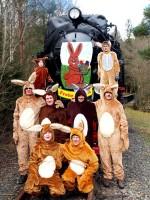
{"x":108,"y":96}
{"x":28,"y":91}
{"x":75,"y":140}
{"x":106,"y":48}
{"x":40,"y":63}
{"x":49,"y":100}
{"x":47,"y":136}
{"x":81,"y":98}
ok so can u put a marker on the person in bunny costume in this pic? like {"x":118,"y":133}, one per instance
{"x":26,"y":115}
{"x":45,"y":161}
{"x":112,"y":135}
{"x":108,"y":66}
{"x":83,"y":162}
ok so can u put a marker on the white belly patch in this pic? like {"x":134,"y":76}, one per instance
{"x":47,"y":167}
{"x":77,"y":166}
{"x":106,"y":125}
{"x":27,"y":118}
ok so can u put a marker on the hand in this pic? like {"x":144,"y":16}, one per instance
{"x":117,"y":77}
{"x":59,"y":104}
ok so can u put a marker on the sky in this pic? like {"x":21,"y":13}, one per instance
{"x":116,"y":11}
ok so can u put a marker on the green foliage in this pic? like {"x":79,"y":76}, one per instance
{"x":141,"y":30}
{"x":145,"y":54}
{"x":8,"y":94}
{"x":147,"y":12}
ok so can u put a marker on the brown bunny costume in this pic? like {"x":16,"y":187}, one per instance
{"x":41,"y":153}
{"x":112,"y":134}
{"x":25,"y":116}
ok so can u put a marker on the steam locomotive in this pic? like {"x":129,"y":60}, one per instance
{"x":70,"y":46}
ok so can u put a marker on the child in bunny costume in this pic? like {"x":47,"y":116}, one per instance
{"x":112,"y":135}
{"x":26,"y":115}
{"x":45,"y":161}
{"x":108,"y":66}
{"x":83,"y":162}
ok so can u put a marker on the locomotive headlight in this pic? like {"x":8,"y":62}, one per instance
{"x":74,"y":13}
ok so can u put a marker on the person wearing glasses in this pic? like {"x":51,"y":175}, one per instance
{"x":25,"y":116}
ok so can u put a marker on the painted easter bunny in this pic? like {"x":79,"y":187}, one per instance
{"x":73,"y":75}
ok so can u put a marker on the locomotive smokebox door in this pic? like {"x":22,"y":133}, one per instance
{"x":75,"y":63}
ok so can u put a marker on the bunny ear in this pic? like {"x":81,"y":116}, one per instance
{"x":80,"y":122}
{"x":87,"y":88}
{"x":75,"y":87}
{"x":53,"y":88}
{"x":96,"y":88}
{"x":18,"y":82}
{"x":35,"y":128}
{"x":32,"y":77}
{"x":114,"y":86}
{"x":78,"y":49}
{"x":70,"y":48}
{"x":39,"y":92}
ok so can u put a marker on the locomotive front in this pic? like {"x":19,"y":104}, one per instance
{"x":70,"y":45}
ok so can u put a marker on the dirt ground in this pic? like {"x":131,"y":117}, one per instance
{"x":136,"y":164}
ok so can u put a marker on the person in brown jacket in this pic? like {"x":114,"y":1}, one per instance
{"x":25,"y":115}
{"x":42,"y":74}
{"x":112,"y":136}
{"x":55,"y":112}
{"x":44,"y":164}
{"x":83,"y":162}
{"x":108,"y":66}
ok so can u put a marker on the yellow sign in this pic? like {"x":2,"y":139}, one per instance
{"x":67,"y":94}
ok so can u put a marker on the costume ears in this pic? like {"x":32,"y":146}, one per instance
{"x":31,"y":80}
{"x":80,"y":123}
{"x":86,"y":88}
{"x":98,"y":87}
{"x":18,"y":82}
{"x":38,"y":127}
{"x":53,"y":88}
{"x":32,"y":77}
{"x":41,"y":92}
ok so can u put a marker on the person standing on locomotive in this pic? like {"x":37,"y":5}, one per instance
{"x":42,"y":75}
{"x":112,"y":136}
{"x":85,"y":107}
{"x":108,"y":66}
{"x":25,"y":115}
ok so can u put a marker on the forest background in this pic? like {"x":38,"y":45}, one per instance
{"x":23,"y":25}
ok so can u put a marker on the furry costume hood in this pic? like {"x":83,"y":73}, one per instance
{"x":80,"y":92}
{"x":46,"y":128}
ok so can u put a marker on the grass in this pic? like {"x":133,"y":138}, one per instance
{"x":139,"y":121}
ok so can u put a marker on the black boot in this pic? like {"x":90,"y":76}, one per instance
{"x":22,"y":179}
{"x":106,"y":182}
{"x":121,"y":184}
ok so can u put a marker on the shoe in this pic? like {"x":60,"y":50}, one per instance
{"x":91,"y":196}
{"x":22,"y":179}
{"x":121,"y":184}
{"x":106,"y":182}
